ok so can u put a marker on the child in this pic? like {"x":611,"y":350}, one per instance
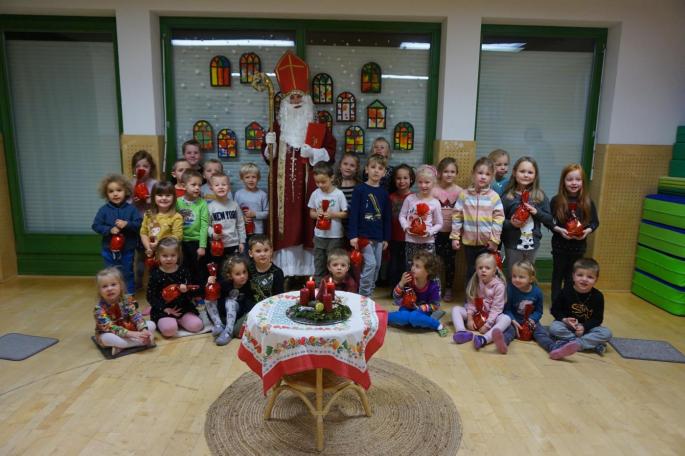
{"x":567,"y":249}
{"x":501,"y":160}
{"x":479,"y":212}
{"x":266,"y":279}
{"x":142,"y":160}
{"x":522,"y":292}
{"x":325,"y":240}
{"x":180,"y":167}
{"x":179,"y":312}
{"x":402,"y":180}
{"x":118,"y":324}
{"x":252,"y":201}
{"x":423,"y":311}
{"x":346,"y":178}
{"x":195,"y":223}
{"x":522,"y":239}
{"x":382,"y":147}
{"x":211,"y":167}
{"x":162,"y":220}
{"x":488,"y":283}
{"x":578,"y":314}
{"x":118,"y":217}
{"x":237,"y":298}
{"x":338,"y":270}
{"x":446,"y":192}
{"x":370,"y":218}
{"x":225,"y":212}
{"x":193,"y":154}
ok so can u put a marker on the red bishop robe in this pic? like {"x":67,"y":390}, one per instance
{"x":291,"y":177}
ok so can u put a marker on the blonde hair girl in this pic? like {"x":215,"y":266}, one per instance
{"x":162,"y":220}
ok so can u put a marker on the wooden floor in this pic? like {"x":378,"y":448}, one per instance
{"x":69,"y":400}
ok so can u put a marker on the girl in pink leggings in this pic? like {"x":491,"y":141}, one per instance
{"x":178,"y":309}
{"x":489,"y":285}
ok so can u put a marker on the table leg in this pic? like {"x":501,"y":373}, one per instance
{"x":275,"y":391}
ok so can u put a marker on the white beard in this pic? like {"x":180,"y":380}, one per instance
{"x":294,"y":121}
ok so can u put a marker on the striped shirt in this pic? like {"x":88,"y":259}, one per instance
{"x":481,"y":216}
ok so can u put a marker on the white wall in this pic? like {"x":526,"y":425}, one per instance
{"x":643,"y":89}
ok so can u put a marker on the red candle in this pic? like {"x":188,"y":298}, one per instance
{"x":311,"y":286}
{"x":304,"y":297}
{"x":327,"y":302}
{"x":330,"y":287}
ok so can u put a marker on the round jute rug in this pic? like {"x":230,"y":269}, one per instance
{"x":411,"y":416}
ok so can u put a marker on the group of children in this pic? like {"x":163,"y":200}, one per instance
{"x":377,"y":216}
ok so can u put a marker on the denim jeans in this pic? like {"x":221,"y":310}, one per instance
{"x":414,"y":318}
{"x":373,"y":254}
{"x":596,"y":336}
{"x":124,"y":262}
{"x":322,"y":247}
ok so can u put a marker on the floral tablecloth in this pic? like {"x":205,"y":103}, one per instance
{"x":274,"y":346}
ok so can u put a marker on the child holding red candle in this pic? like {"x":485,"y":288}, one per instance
{"x":253,"y":201}
{"x":338,"y":277}
{"x":328,"y":205}
{"x":572,"y":200}
{"x":225,"y":212}
{"x":423,"y":311}
{"x":266,"y":278}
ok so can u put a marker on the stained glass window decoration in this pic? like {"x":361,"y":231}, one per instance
{"x":354,"y":139}
{"x":226,"y":144}
{"x":322,"y":88}
{"x":346,"y":107}
{"x":403,"y":136}
{"x":254,"y":137}
{"x":278,"y":97}
{"x":250,"y":63}
{"x":220,"y":72}
{"x":375,"y":115}
{"x":371,"y":78}
{"x":203,"y":133}
{"x":325,"y":117}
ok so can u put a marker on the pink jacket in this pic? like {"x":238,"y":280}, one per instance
{"x":494,"y":296}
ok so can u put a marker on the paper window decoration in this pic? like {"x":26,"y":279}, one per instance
{"x":202,"y":133}
{"x":403,"y":137}
{"x":354,"y":140}
{"x":375,"y":115}
{"x":226,"y":144}
{"x":250,"y":63}
{"x":254,"y":137}
{"x":220,"y":72}
{"x":325,"y":117}
{"x":278,"y":96}
{"x":346,"y":108}
{"x":322,"y":89}
{"x":371,"y":78}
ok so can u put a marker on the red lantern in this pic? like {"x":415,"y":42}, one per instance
{"x":481,"y":316}
{"x":140,"y":189}
{"x":217,"y":246}
{"x":211,"y":268}
{"x":116,"y":242}
{"x":173,"y":291}
{"x":249,"y":223}
{"x":526,"y":330}
{"x":574,"y":227}
{"x":521,"y":213}
{"x":356,"y":258}
{"x":324,"y":223}
{"x":151,"y":262}
{"x":212,"y":291}
{"x":498,"y":259}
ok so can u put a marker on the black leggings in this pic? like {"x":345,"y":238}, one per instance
{"x":562,"y":271}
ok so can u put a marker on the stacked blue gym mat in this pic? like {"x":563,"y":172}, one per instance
{"x":659,"y":276}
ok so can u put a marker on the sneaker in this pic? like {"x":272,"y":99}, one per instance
{"x":447,"y":296}
{"x":438,"y":314}
{"x":600,"y":349}
{"x":565,"y":350}
{"x":461,"y":337}
{"x":479,"y":342}
{"x":498,"y":339}
{"x":443,"y":332}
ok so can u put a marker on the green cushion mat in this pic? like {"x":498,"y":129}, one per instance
{"x":658,"y":238}
{"x":676,"y":168}
{"x":680,"y":134}
{"x":679,"y":151}
{"x":665,"y":267}
{"x":667,"y":212}
{"x":659,"y":294}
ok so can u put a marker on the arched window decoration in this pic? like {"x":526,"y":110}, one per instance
{"x":325,"y":117}
{"x":371,"y":78}
{"x":278,"y":96}
{"x":226,"y":144}
{"x":220,"y":72}
{"x":250,"y":63}
{"x":203,"y":133}
{"x":354,"y":140}
{"x":375,"y":115}
{"x":322,"y":89}
{"x":403,"y":137}
{"x":254,"y":136}
{"x":346,"y":108}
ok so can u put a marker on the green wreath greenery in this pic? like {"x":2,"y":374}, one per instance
{"x":339,"y":313}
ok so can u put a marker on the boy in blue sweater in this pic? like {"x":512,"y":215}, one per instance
{"x":370,"y":216}
{"x":118,"y":217}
